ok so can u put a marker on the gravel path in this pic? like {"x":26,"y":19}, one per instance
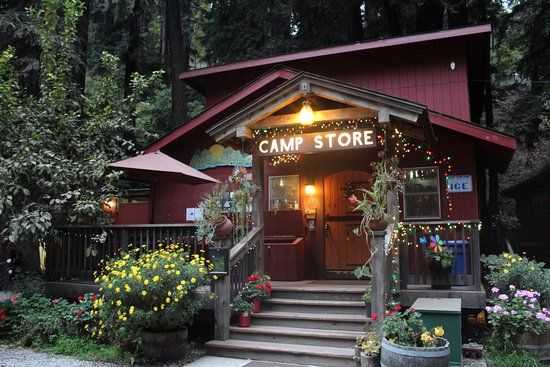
{"x":24,"y":357}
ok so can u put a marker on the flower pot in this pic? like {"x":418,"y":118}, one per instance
{"x":440,"y":276}
{"x":72,"y":329}
{"x":128,"y":347}
{"x":244,"y":321}
{"x":164,"y":345}
{"x":379,"y":224}
{"x":396,"y":355}
{"x":357,"y":356}
{"x":538,"y":345}
{"x":257,"y":305}
{"x":368,"y":308}
{"x":368,"y":361}
{"x":223,"y":227}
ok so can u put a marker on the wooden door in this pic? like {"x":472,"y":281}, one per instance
{"x":344,"y":250}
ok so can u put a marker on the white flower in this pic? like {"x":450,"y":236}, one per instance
{"x":8,"y":261}
{"x":10,"y":271}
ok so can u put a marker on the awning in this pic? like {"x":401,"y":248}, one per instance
{"x":159,"y":167}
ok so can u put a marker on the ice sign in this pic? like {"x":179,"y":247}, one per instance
{"x":461,"y":183}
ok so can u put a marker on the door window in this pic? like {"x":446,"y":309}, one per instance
{"x":284,"y":192}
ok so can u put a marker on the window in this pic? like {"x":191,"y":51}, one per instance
{"x":421,"y":194}
{"x":284,"y":193}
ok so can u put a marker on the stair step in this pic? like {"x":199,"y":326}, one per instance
{"x":314,"y":306}
{"x":310,"y":320}
{"x":327,"y":293}
{"x":292,"y":335}
{"x":278,"y":352}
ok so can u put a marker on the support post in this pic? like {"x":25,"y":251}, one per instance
{"x":474,"y":260}
{"x":258,"y":206}
{"x":378,"y":268}
{"x":222,"y":299}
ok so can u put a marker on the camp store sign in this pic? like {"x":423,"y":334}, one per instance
{"x":324,"y":141}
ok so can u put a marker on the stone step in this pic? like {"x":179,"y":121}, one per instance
{"x":278,"y":352}
{"x":326,"y":293}
{"x":314,"y":306}
{"x":291,"y":335}
{"x":310,"y":320}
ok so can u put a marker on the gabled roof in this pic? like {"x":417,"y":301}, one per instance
{"x":197,"y":78}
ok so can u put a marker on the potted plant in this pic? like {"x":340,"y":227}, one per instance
{"x":517,"y":316}
{"x":257,"y":287}
{"x":440,"y":260}
{"x":387,"y":177}
{"x":154,"y":294}
{"x":369,"y":347}
{"x":213,"y":220}
{"x":406,"y":342}
{"x":244,"y":309}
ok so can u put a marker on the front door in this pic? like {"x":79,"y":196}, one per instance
{"x":344,"y":250}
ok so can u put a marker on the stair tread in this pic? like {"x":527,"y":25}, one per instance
{"x":310,"y":316}
{"x":279,"y":330}
{"x":319,"y":289}
{"x":298,"y":349}
{"x":313,"y":302}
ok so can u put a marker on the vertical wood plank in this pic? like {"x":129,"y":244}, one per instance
{"x":258,"y":205}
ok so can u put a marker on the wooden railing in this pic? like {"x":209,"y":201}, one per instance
{"x":461,"y":237}
{"x":76,"y":251}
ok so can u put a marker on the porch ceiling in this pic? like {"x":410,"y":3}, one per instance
{"x":332,"y":100}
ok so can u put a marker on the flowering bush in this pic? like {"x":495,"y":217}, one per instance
{"x":369,"y":343}
{"x":157,"y":291}
{"x":242,"y":305}
{"x":407,"y":328}
{"x":257,"y":287}
{"x":510,"y":269}
{"x":436,"y":253}
{"x":80,"y":312}
{"x":515,"y":311}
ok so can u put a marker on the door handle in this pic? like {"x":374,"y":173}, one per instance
{"x":327,"y":229}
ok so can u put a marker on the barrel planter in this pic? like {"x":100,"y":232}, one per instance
{"x":534,"y":344}
{"x":164,"y":346}
{"x":367,"y":361}
{"x":394,"y":355}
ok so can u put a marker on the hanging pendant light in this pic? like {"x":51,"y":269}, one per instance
{"x":306,"y":116}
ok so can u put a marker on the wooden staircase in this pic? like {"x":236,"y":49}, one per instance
{"x":302,"y":323}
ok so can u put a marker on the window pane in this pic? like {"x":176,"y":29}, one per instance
{"x":284,"y":193}
{"x":421,"y":194}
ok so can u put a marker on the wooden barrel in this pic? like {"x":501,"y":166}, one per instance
{"x":394,"y":355}
{"x":534,"y":344}
{"x":164,"y":346}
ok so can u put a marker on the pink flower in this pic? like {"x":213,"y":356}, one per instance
{"x":13,"y":299}
{"x":514,"y":312}
{"x":512,"y":287}
{"x":495,"y":290}
{"x":502,"y":297}
{"x":488,"y":309}
{"x":55,"y":301}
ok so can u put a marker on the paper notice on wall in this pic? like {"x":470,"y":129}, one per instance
{"x":198,"y":213}
{"x":190,"y":214}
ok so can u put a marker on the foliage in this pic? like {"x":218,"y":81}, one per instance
{"x":24,"y":282}
{"x":406,"y":328}
{"x":387,"y":178}
{"x":257,"y":287}
{"x":56,"y":145}
{"x":211,"y":206}
{"x":367,"y":297}
{"x":517,"y":311}
{"x":511,"y":269}
{"x":77,"y":313}
{"x":243,"y":305}
{"x":370,"y":343}
{"x":363,"y":271}
{"x":157,"y":290}
{"x":437,"y":253}
{"x":242,"y":202}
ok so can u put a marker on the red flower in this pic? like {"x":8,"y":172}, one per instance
{"x":80,"y":312}
{"x":13,"y":299}
{"x":2,"y":318}
{"x":411,"y":309}
{"x":391,"y":314}
{"x":352,"y":199}
{"x":80,"y":298}
{"x":268,"y":290}
{"x":260,"y":286}
{"x":253,"y":278}
{"x":396,"y":308}
{"x":374,"y":316}
{"x":1,"y":311}
{"x":93,"y":298}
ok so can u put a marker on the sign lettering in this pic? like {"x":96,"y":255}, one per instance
{"x":316,"y":142}
{"x":462,"y":183}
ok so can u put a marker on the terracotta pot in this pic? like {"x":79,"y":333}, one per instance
{"x":224,"y":227}
{"x":164,"y":345}
{"x":379,"y":224}
{"x":257,"y":305}
{"x":244,"y":321}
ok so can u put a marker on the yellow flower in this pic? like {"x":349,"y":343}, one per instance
{"x":117,"y":289}
{"x":155,"y":309}
{"x":124,"y":318}
{"x":438,"y":331}
{"x":532,"y":268}
{"x":167,"y":299}
{"x":169,"y":293}
{"x":156,"y":278}
{"x":193,"y":280}
{"x":505,"y":271}
{"x":110,"y":286}
{"x":143,"y":293}
{"x":520,"y":259}
{"x":119,"y":302}
{"x":146,"y":281}
{"x":513,"y":260}
{"x":176,"y":300}
{"x":162,"y":307}
{"x":215,"y":277}
{"x":131,"y":310}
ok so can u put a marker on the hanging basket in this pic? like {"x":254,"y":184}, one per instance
{"x":223,"y":227}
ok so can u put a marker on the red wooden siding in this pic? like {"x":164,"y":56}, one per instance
{"x":132,"y":213}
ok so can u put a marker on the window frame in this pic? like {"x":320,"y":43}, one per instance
{"x":269,"y":191}
{"x":405,"y":217}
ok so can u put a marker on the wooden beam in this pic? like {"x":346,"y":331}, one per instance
{"x":320,"y":116}
{"x":244,"y":132}
{"x":258,"y":205}
{"x":222,"y":298}
{"x":378,"y":268}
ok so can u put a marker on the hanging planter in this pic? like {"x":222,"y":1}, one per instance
{"x":223,"y":227}
{"x":377,"y":224}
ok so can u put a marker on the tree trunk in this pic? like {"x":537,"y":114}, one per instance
{"x":178,"y":60}
{"x":134,"y":42}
